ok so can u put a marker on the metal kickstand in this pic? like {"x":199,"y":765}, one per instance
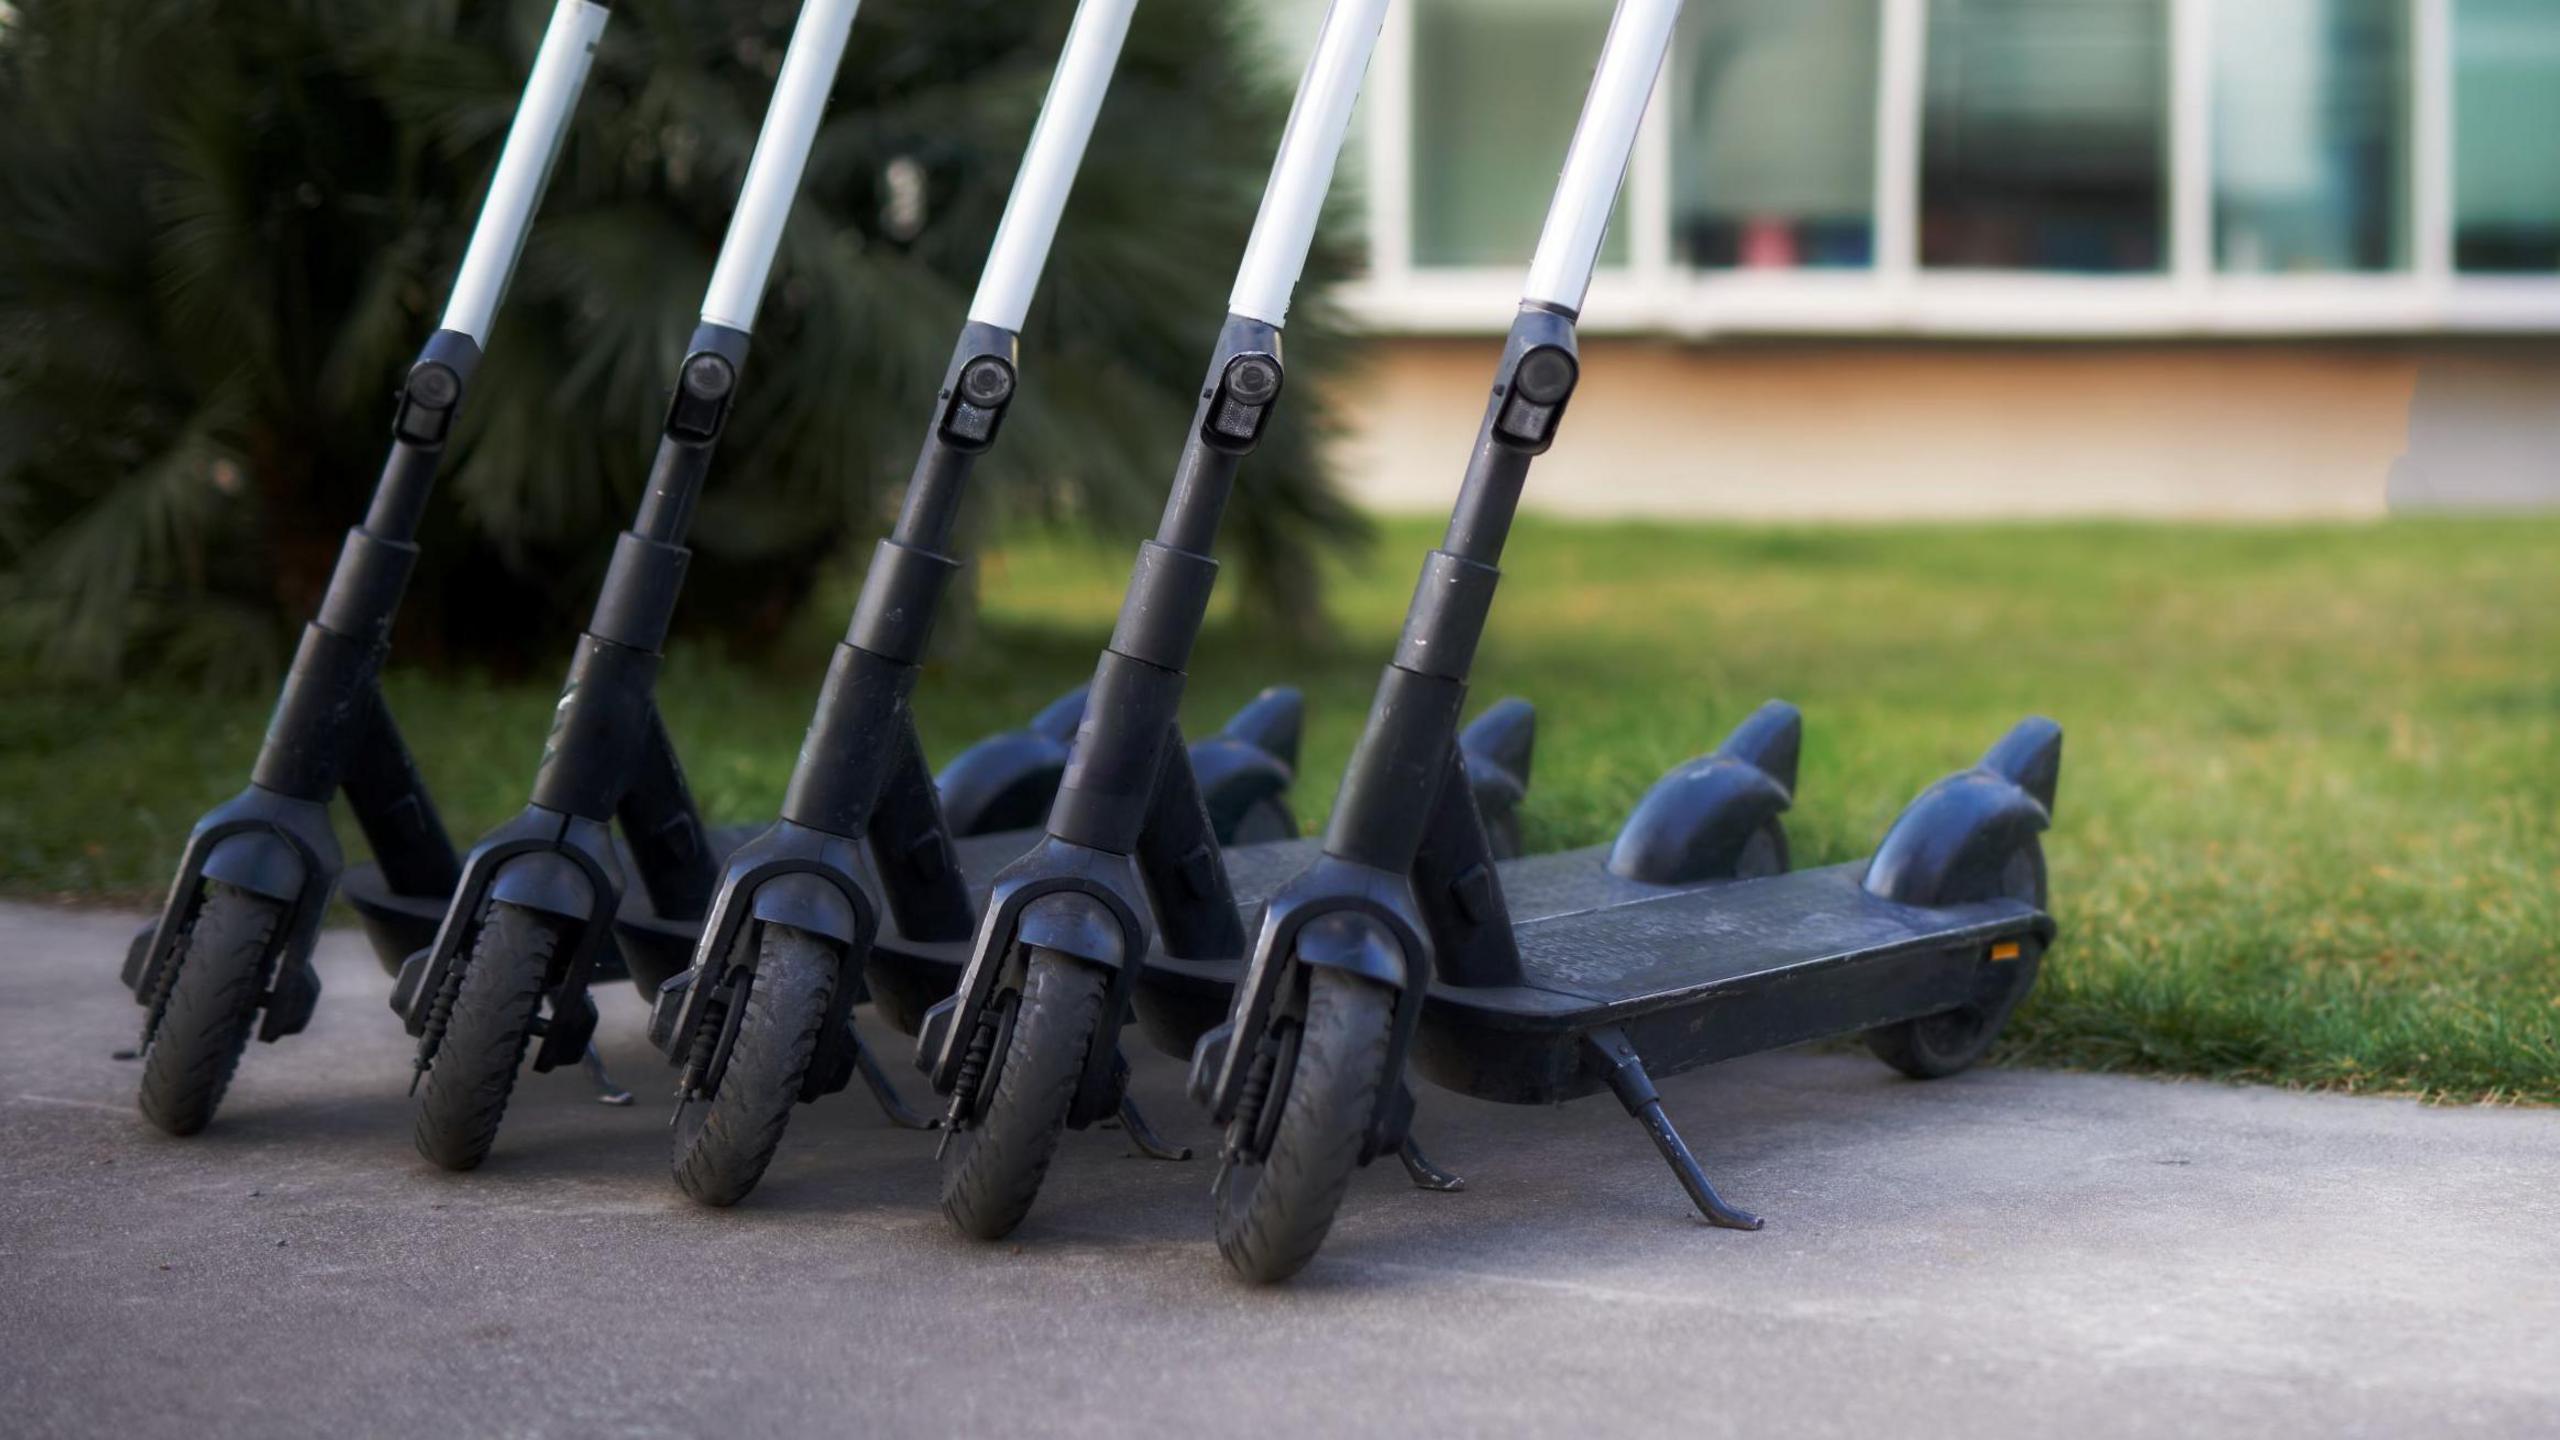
{"x":1424,"y":1174}
{"x":1634,"y":1089}
{"x":1144,"y":1136}
{"x":607,"y":1093}
{"x":886,"y":1094}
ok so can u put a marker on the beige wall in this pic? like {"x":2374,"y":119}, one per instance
{"x":1886,"y":429}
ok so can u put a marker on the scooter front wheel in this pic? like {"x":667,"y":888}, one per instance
{"x":485,"y":1035}
{"x":220,"y":974}
{"x":1039,"y":1039}
{"x":1274,"y":1211}
{"x":723,"y":1144}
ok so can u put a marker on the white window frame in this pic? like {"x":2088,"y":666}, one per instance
{"x":1653,"y":293}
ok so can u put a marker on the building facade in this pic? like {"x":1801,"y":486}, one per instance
{"x":1953,"y":257}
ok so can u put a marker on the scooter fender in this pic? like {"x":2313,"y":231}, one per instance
{"x":788,"y":875}
{"x":807,"y":901}
{"x":1073,"y":922}
{"x":1337,"y":915}
{"x":542,"y":859}
{"x":269,"y":844}
{"x":1948,"y":845}
{"x":261,"y":862}
{"x":1005,"y":782}
{"x":547,"y":881}
{"x":1696,"y":822}
{"x":1102,"y":881}
{"x":1234,"y":776}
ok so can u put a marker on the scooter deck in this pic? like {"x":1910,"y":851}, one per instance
{"x":1180,"y":999}
{"x":1701,"y":975}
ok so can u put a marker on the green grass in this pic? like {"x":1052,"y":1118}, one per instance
{"x":2309,"y":828}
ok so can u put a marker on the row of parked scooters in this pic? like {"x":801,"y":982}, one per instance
{"x":1304,"y":981}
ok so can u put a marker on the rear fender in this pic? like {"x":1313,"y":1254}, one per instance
{"x":1697,"y":822}
{"x":1950,"y":844}
{"x":1006,"y":781}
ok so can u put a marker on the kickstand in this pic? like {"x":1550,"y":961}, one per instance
{"x":1634,"y":1089}
{"x":1144,"y":1136}
{"x":607,"y":1093}
{"x":1424,"y":1174}
{"x":891,"y":1103}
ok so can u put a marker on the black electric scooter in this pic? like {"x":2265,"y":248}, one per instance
{"x":235,"y":933}
{"x":808,"y":920}
{"x":1028,"y":1046}
{"x":1397,"y":944}
{"x":532,"y":910}
{"x":544,"y":894}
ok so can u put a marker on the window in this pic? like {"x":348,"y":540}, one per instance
{"x":2310,"y":135}
{"x":2506,"y":135}
{"x":1774,"y":133}
{"x":1497,"y":85}
{"x":2044,"y":135}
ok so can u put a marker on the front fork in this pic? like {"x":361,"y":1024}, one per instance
{"x":1103,"y":909}
{"x":1128,"y":832}
{"x":1444,"y":916}
{"x":1407,"y":892}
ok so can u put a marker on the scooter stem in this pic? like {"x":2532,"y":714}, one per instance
{"x":524,"y":166}
{"x":1596,"y":163}
{"x":781,"y":154}
{"x":1020,"y":251}
{"x":1284,"y":228}
{"x":1569,"y":244}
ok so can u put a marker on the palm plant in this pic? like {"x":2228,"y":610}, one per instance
{"x":224,"y":224}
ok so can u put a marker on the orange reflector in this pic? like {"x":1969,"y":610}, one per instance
{"x":2005,"y":950}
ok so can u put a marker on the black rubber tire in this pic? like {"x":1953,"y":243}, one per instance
{"x":723,"y":1144}
{"x":1273,"y":1216}
{"x":221,"y":976}
{"x":1934,"y":1047}
{"x":467,"y":1084}
{"x":992,"y":1170}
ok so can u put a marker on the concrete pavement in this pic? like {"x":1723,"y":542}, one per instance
{"x":2005,"y":1254}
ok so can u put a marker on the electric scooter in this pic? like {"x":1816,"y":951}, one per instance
{"x":532,"y":911}
{"x":235,"y":933}
{"x":1397,"y":944}
{"x":545,"y":894}
{"x":811,"y":918}
{"x":1125,"y":881}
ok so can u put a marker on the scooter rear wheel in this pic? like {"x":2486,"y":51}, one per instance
{"x":723,"y":1144}
{"x":220,"y":976}
{"x":474,"y":1070}
{"x":992,"y":1171}
{"x":1951,"y":1041}
{"x":1273,"y":1213}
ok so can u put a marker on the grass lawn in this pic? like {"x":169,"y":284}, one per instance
{"x":2309,"y":827}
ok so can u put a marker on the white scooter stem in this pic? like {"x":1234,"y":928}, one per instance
{"x":524,"y":166}
{"x":781,"y":155}
{"x":1293,"y":199}
{"x":1050,"y":162}
{"x":1595,"y":166}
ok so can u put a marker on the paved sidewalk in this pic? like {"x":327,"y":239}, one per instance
{"x":2005,"y":1254}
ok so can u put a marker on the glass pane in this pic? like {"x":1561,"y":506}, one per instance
{"x":2045,"y":135}
{"x":2506,"y":135}
{"x":2310,"y":135}
{"x":1774,"y":145}
{"x":1497,"y":85}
